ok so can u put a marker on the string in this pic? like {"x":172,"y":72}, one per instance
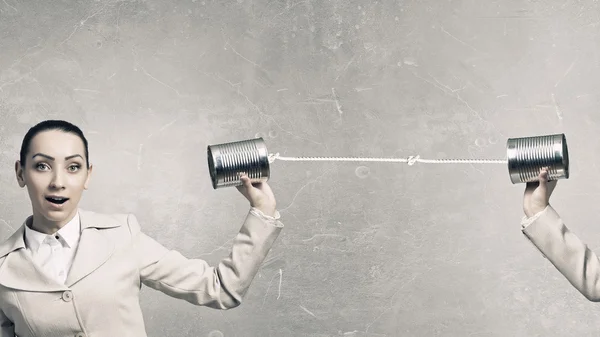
{"x":411,"y":160}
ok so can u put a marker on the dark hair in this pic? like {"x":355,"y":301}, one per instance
{"x":48,"y":125}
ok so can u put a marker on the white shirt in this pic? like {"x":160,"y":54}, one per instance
{"x":55,"y":253}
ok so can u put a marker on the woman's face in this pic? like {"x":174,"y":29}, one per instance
{"x":55,"y":174}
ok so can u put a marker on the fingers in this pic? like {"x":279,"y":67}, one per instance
{"x":546,"y":186}
{"x":543,"y":179}
{"x":542,"y":182}
{"x":246,"y":181}
{"x":254,"y":190}
{"x":264,"y":187}
{"x":249,"y":188}
{"x":246,"y":185}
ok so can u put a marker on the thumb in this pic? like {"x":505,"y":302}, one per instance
{"x":543,"y":178}
{"x":246,"y":181}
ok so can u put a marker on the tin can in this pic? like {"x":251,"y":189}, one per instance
{"x":528,"y":155}
{"x":228,"y":160}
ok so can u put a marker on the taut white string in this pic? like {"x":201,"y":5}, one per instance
{"x":411,"y":160}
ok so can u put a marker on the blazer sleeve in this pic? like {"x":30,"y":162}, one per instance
{"x":572,"y":258}
{"x":7,"y":328}
{"x":193,"y":280}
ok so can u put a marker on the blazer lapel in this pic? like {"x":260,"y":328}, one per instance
{"x":19,"y":271}
{"x":94,"y":247}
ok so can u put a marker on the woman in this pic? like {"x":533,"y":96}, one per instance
{"x":73,"y":272}
{"x":545,"y":229}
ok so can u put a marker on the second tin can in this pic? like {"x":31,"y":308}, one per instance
{"x":228,"y":160}
{"x":528,"y":155}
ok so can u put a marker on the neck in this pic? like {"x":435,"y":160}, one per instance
{"x":41,"y":224}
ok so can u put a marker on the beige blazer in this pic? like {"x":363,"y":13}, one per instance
{"x":101,"y":295}
{"x":573,"y":258}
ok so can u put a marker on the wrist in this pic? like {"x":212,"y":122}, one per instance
{"x":266,"y":210}
{"x":531,"y":212}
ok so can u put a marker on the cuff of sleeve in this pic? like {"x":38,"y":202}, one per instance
{"x":525,"y":221}
{"x":273,"y":220}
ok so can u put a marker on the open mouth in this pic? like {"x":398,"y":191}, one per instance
{"x":57,"y":200}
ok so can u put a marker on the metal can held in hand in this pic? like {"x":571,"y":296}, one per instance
{"x":528,"y":155}
{"x":228,"y":160}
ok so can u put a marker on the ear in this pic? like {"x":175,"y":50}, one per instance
{"x":89,"y":175}
{"x":20,"y":174}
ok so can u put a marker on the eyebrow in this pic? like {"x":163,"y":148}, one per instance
{"x":52,"y":158}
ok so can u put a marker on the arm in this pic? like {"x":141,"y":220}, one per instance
{"x":7,"y":328}
{"x":572,"y":258}
{"x":193,"y":280}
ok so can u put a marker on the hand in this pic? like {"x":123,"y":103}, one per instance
{"x":537,"y":194}
{"x":259,"y":195}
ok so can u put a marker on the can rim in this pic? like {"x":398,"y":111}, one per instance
{"x":565,"y":155}
{"x":212,"y":168}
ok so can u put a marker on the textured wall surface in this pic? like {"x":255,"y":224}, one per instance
{"x":369,"y":249}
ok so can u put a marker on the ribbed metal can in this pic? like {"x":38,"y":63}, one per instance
{"x":528,"y":155}
{"x":228,"y":160}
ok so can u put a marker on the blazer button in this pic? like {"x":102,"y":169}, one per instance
{"x":80,"y":334}
{"x":67,"y":296}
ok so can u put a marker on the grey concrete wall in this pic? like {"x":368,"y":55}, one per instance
{"x":369,"y":249}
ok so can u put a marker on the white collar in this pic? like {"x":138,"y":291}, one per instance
{"x":68,"y":235}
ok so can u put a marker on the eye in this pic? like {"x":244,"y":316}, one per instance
{"x":41,"y":166}
{"x":74,"y":167}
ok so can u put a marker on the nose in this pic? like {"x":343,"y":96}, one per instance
{"x":57,"y":181}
